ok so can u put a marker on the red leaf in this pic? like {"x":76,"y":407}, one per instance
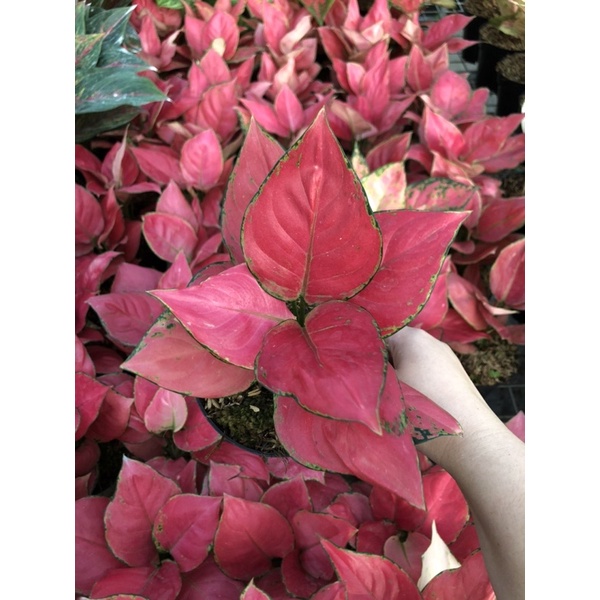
{"x":288,"y":497}
{"x":228,"y":313}
{"x":202,"y":160}
{"x":183,"y":472}
{"x":507,"y":275}
{"x":185,"y":527}
{"x":249,"y":535}
{"x":415,"y":245}
{"x":308,"y":233}
{"x":112,"y":419}
{"x":208,"y":581}
{"x":139,"y":495}
{"x":372,"y":536}
{"x":499,"y":218}
{"x":158,"y":583}
{"x":338,"y":446}
{"x":370,"y":576}
{"x":308,"y":363}
{"x":407,"y":553}
{"x":159,"y":163}
{"x":258,"y":155}
{"x":93,"y":558}
{"x":170,"y":357}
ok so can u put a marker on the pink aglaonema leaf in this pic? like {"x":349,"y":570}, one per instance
{"x":306,"y":362}
{"x":227,"y":479}
{"x":339,"y":446}
{"x":427,"y":419}
{"x":185,"y":527}
{"x":308,"y":233}
{"x":197,"y":433}
{"x":298,"y":581}
{"x":372,"y":535}
{"x":257,"y":157}
{"x":89,"y":222}
{"x":251,"y":592}
{"x":228,"y":313}
{"x":437,"y":193}
{"x":140,"y":494}
{"x":370,"y":576}
{"x":499,"y":218}
{"x":251,"y":464}
{"x":202,"y":160}
{"x":93,"y":557}
{"x":183,"y":472}
{"x":167,"y":235}
{"x":113,"y":417}
{"x":288,"y":497}
{"x":249,"y":535}
{"x":441,"y":136}
{"x":469,"y":581}
{"x":507,"y":275}
{"x":161,"y":582}
{"x":170,"y":357}
{"x":386,"y":187}
{"x":89,"y":395}
{"x":414,"y":248}
{"x":126,"y":316}
{"x":209,"y":581}
{"x":166,"y":412}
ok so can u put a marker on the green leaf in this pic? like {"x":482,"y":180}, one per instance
{"x":106,"y":89}
{"x":90,"y":125}
{"x":318,"y":8}
{"x":87,"y":50}
{"x":175,"y":4}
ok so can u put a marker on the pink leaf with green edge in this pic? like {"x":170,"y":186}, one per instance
{"x":286,"y":468}
{"x":227,"y":479}
{"x":228,"y":313}
{"x":208,"y":581}
{"x":338,"y":446}
{"x":249,"y":535}
{"x":499,"y":218}
{"x":372,"y":535}
{"x":139,"y":495}
{"x":93,"y":557}
{"x":308,"y":232}
{"x":89,"y":221}
{"x":307,"y":362}
{"x":369,"y":576}
{"x":439,"y":193}
{"x":436,"y":308}
{"x":386,"y":187}
{"x":170,"y":357}
{"x":257,"y":157}
{"x":352,"y":506}
{"x":126,"y":316}
{"x":112,"y":419}
{"x":309,"y":529}
{"x":166,"y":412}
{"x":197,"y":433}
{"x":185,"y":527}
{"x":507,"y":275}
{"x":251,"y":592}
{"x":441,"y":136}
{"x":202,"y":160}
{"x":159,"y":583}
{"x":406,"y":551}
{"x":89,"y":395}
{"x":445,"y":503}
{"x":469,"y":581}
{"x":288,"y":497}
{"x":183,"y":472}
{"x":414,"y":248}
{"x":426,"y":418}
{"x":167,"y":235}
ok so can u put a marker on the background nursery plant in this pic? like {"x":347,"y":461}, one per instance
{"x":303,"y":180}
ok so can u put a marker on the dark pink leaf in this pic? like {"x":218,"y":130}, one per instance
{"x":258,"y":155}
{"x":159,"y":163}
{"x":372,"y":535}
{"x":87,"y":454}
{"x":499,"y":218}
{"x":158,"y":583}
{"x":334,"y":591}
{"x":182,"y":471}
{"x":466,"y":543}
{"x":113,"y":417}
{"x":249,"y":535}
{"x":415,"y":245}
{"x":288,"y":497}
{"x":93,"y":558}
{"x":139,"y":495}
{"x":228,"y":313}
{"x":250,"y":463}
{"x":339,"y":446}
{"x":486,"y":138}
{"x":89,"y":221}
{"x":298,"y":581}
{"x":469,"y":581}
{"x":354,"y":507}
{"x":170,"y":357}
{"x":407,"y":552}
{"x":202,"y":160}
{"x":227,"y":479}
{"x":306,"y":362}
{"x":126,"y":316}
{"x":89,"y":395}
{"x":197,"y":433}
{"x":507,"y":275}
{"x":322,"y":494}
{"x":308,"y":233}
{"x":167,"y":235}
{"x":185,"y":528}
{"x":251,"y":592}
{"x":286,"y":468}
{"x":208,"y":581}
{"x":370,"y":576}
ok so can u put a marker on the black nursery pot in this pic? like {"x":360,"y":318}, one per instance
{"x":510,"y":73}
{"x":471,"y":34}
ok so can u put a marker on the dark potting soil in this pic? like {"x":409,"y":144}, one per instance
{"x":481,"y":8}
{"x":512,"y":67}
{"x":493,"y":36}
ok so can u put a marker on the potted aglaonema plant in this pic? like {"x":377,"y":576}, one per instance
{"x":315,"y":284}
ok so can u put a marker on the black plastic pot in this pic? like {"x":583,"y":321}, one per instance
{"x":471,"y":34}
{"x":510,"y":89}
